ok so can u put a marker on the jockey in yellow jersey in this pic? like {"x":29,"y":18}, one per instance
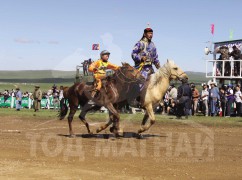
{"x":99,"y":68}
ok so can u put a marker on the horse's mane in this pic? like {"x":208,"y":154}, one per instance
{"x":125,"y":64}
{"x":162,"y":72}
{"x":114,"y":76}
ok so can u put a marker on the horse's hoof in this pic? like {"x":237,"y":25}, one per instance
{"x":121,"y":132}
{"x":106,"y":136}
{"x":72,"y":136}
{"x":98,"y":130}
{"x":90,"y":132}
{"x":112,"y":129}
{"x":140,"y":136}
{"x":140,"y":131}
{"x":118,"y":133}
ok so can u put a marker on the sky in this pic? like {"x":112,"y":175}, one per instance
{"x":58,"y":34}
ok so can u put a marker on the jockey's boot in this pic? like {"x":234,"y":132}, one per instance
{"x":94,"y":93}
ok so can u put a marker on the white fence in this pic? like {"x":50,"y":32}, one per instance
{"x":224,"y":69}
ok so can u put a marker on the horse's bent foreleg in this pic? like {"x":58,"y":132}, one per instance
{"x":151,"y":116}
{"x":102,"y":127}
{"x":116,"y":117}
{"x":145,"y":118}
{"x":111,"y":118}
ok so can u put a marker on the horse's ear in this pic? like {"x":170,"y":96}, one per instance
{"x":168,"y":60}
{"x":122,"y":63}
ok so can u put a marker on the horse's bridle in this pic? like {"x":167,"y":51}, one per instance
{"x":126,"y":80}
{"x":177,"y":75}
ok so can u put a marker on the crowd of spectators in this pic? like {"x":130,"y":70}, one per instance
{"x":54,"y":93}
{"x":209,"y":101}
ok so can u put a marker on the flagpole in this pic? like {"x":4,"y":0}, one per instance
{"x":96,"y":47}
{"x":214,"y":64}
{"x":231,"y":34}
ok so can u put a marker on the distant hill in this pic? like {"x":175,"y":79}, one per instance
{"x":197,"y":77}
{"x":46,"y":76}
{"x":36,"y":74}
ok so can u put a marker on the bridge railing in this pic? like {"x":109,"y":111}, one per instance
{"x":224,"y":69}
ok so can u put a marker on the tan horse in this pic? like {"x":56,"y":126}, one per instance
{"x":155,"y":88}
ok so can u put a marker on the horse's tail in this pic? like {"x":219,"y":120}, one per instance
{"x":63,"y":107}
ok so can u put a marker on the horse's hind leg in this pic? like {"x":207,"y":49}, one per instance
{"x":82,"y":116}
{"x":70,"y":118}
{"x":86,"y":124}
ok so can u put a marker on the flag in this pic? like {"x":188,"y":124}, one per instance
{"x":231,"y":34}
{"x":95,"y":47}
{"x":212,"y":29}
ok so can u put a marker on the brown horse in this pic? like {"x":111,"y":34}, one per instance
{"x":114,"y":90}
{"x":155,"y":89}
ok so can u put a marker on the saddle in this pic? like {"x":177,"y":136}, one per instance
{"x":105,"y":86}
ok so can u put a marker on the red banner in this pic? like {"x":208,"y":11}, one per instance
{"x":95,"y":47}
{"x":212,"y":29}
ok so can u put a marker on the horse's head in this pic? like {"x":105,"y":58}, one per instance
{"x":130,"y":74}
{"x":176,"y":73}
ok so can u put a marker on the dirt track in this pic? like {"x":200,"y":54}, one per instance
{"x":40,"y":149}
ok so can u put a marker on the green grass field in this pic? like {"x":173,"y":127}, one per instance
{"x":50,"y":114}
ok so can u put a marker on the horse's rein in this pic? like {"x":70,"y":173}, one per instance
{"x":177,"y":75}
{"x":126,"y":79}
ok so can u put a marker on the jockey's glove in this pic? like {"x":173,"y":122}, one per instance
{"x":144,"y":58}
{"x":157,"y":65}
